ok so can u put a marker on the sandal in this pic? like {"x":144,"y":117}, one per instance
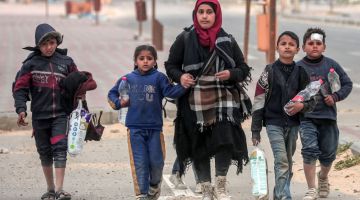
{"x":62,"y":195}
{"x":49,"y":195}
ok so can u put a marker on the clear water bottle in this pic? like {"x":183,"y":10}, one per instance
{"x":123,"y":89}
{"x":334,"y":80}
{"x":304,"y":95}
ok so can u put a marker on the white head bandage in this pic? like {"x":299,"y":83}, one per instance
{"x":316,"y":36}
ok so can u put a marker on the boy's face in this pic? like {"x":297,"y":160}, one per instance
{"x":287,"y":47}
{"x":314,"y":48}
{"x":48,"y":47}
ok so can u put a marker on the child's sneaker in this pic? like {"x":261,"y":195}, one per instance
{"x":142,"y":197}
{"x":154,"y":192}
{"x":198,"y":188}
{"x":311,"y":194}
{"x":323,"y":186}
{"x":177,"y":181}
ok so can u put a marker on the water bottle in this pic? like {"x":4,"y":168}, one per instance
{"x":334,"y":80}
{"x":304,"y":95}
{"x":123,"y":89}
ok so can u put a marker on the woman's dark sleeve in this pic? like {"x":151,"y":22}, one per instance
{"x":241,"y":70}
{"x":174,"y":63}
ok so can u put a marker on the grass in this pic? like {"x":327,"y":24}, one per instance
{"x":343,"y":147}
{"x":349,"y":160}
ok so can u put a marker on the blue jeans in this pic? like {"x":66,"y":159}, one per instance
{"x":319,"y":139}
{"x":283,"y":145}
{"x":147,"y":154}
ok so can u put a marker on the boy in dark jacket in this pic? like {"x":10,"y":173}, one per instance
{"x":279,"y":83}
{"x":318,"y":129}
{"x":39,"y":78}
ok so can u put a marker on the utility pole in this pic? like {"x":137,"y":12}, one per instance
{"x":47,"y":8}
{"x":272,"y":26}
{"x":153,"y":19}
{"x":247,"y":30}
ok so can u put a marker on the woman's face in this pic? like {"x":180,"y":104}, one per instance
{"x":205,"y":16}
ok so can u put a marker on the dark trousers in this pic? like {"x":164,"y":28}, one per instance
{"x":222,"y":164}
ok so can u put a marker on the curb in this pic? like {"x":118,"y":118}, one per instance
{"x":8,"y":119}
{"x":333,"y":20}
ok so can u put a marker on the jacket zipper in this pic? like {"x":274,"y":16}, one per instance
{"x":53,"y":89}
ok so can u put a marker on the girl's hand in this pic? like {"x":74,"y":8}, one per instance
{"x":223,"y":75}
{"x":124,"y":103}
{"x":329,"y":100}
{"x":295,"y":108}
{"x":187,"y":80}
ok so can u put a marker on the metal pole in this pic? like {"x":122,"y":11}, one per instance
{"x":272,"y":36}
{"x":246,"y":31}
{"x":47,"y":8}
{"x":153,"y":21}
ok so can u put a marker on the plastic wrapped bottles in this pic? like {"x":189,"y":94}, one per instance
{"x":334,"y":80}
{"x":259,"y":174}
{"x":304,"y":95}
{"x":123,"y":89}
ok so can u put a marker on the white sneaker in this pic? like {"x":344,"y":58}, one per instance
{"x":311,"y":194}
{"x":177,"y":181}
{"x":154,"y":192}
{"x":207,"y":191}
{"x":198,"y":188}
{"x":220,"y":188}
{"x":324,"y":186}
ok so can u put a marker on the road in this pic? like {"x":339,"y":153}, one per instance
{"x":106,"y":51}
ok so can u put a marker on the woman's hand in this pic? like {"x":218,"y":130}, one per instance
{"x":187,"y":80}
{"x":223,"y":75}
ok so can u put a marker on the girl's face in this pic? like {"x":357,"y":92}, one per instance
{"x":48,"y":47}
{"x":205,"y":16}
{"x":314,"y":48}
{"x":145,"y":61}
{"x":287,"y":47}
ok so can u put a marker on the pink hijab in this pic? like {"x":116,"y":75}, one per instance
{"x":207,"y":37}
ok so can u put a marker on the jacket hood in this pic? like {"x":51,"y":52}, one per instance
{"x":43,"y":31}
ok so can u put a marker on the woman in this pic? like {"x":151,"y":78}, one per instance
{"x":208,"y":61}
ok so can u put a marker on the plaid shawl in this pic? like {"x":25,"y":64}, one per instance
{"x":211,"y":99}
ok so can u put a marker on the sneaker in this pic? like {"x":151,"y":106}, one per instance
{"x":177,"y":181}
{"x":323,"y":186}
{"x":198,"y":188}
{"x":207,"y":191}
{"x":220,"y":188}
{"x":154,"y":192}
{"x":142,"y":197}
{"x":311,"y":194}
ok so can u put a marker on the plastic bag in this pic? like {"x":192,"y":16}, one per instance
{"x":79,"y":121}
{"x":259,"y":174}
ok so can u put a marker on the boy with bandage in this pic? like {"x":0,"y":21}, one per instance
{"x":318,"y":129}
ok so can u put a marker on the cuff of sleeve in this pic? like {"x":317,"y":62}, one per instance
{"x":19,"y":110}
{"x":256,"y":135}
{"x":335,"y":97}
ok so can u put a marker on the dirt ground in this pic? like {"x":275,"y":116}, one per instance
{"x":22,"y":152}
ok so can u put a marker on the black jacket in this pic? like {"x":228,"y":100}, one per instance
{"x":39,"y":76}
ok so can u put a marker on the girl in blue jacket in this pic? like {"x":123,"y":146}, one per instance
{"x":148,"y":87}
